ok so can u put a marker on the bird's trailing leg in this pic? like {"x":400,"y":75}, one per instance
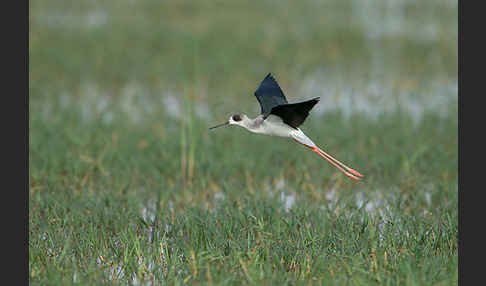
{"x":348,"y":172}
{"x":335,"y":160}
{"x":317,"y":150}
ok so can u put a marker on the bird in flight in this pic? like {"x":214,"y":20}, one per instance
{"x":280,"y":118}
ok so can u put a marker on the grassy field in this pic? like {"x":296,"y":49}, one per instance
{"x":129,"y":187}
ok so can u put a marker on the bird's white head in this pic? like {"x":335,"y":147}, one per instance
{"x":237,"y":119}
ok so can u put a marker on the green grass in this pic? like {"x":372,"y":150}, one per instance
{"x":124,"y":191}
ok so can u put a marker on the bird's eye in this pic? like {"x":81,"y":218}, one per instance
{"x":236,"y":117}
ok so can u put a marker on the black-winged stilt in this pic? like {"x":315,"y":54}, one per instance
{"x":280,"y":118}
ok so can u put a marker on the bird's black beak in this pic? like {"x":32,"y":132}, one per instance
{"x":220,"y":125}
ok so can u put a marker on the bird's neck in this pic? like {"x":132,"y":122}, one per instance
{"x":253,"y":125}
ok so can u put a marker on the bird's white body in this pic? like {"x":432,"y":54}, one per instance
{"x":273,"y":126}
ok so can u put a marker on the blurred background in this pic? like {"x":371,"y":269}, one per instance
{"x":364,"y":57}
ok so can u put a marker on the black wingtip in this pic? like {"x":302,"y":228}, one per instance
{"x":271,"y":78}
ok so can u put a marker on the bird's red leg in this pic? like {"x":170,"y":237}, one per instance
{"x":317,"y":150}
{"x":344,"y":166}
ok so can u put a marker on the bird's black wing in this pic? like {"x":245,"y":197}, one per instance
{"x":294,"y":114}
{"x":269,"y":94}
